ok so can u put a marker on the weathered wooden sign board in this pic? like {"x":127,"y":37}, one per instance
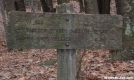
{"x":64,"y":31}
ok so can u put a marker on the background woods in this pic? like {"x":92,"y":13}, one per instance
{"x":91,"y":64}
{"x":103,"y":6}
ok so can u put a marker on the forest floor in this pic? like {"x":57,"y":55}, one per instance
{"x":41,"y":64}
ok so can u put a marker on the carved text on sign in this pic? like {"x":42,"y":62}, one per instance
{"x":80,"y":31}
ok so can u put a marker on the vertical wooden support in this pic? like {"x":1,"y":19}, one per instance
{"x":66,"y":57}
{"x":66,"y":64}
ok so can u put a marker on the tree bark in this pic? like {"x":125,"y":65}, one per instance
{"x":32,"y":6}
{"x":44,"y":6}
{"x":2,"y":9}
{"x":50,"y":5}
{"x":123,"y":6}
{"x":104,"y":6}
{"x":62,"y":1}
{"x":11,"y":7}
{"x":19,"y":5}
{"x":91,"y":6}
{"x":81,"y":5}
{"x":126,"y":9}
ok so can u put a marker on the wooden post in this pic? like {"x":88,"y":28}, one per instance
{"x":66,"y":57}
{"x":66,"y":64}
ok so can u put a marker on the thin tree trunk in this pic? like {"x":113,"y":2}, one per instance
{"x":14,"y":5}
{"x":11,"y":7}
{"x":104,"y":6}
{"x":81,"y":5}
{"x":2,"y":9}
{"x":50,"y":5}
{"x":59,"y":1}
{"x":32,"y":6}
{"x":20,"y":5}
{"x":91,"y":6}
{"x":126,"y":9}
{"x":44,"y":6}
{"x":62,"y":1}
{"x":122,"y":6}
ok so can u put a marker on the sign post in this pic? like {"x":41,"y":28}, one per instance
{"x":66,"y":59}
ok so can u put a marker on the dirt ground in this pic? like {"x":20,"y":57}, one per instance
{"x":41,"y":64}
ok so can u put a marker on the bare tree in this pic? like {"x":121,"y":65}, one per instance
{"x":2,"y":9}
{"x":125,"y":8}
{"x":91,"y":6}
{"x":44,"y":6}
{"x":62,"y":1}
{"x":50,"y":5}
{"x":19,"y":5}
{"x":104,"y":6}
{"x":81,"y":5}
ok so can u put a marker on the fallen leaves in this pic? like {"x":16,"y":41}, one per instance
{"x":99,"y":63}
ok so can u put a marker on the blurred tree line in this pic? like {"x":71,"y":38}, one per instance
{"x":89,"y":6}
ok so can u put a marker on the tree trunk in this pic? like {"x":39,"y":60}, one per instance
{"x":32,"y":6}
{"x":44,"y":6}
{"x":126,"y":9}
{"x":50,"y":5}
{"x":62,"y":1}
{"x":11,"y":7}
{"x":14,"y":5}
{"x":104,"y":6}
{"x":91,"y":6}
{"x":81,"y":5}
{"x":2,"y":9}
{"x":19,"y":5}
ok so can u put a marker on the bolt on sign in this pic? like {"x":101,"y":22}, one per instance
{"x":64,"y":31}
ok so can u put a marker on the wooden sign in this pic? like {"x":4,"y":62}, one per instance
{"x":64,"y":31}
